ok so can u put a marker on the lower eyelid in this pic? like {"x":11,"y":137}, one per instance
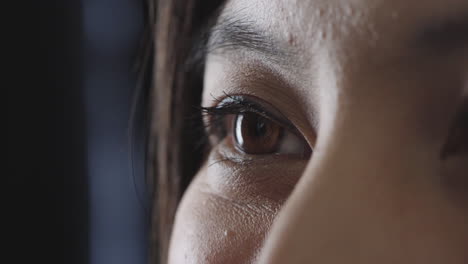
{"x":256,"y":176}
{"x":225,"y":153}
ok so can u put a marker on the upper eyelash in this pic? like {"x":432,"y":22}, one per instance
{"x":216,"y":114}
{"x":237,"y":106}
{"x":214,"y":121}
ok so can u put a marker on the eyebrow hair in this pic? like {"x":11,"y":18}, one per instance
{"x":232,"y":33}
{"x":237,"y":33}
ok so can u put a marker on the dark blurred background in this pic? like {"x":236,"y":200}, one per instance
{"x":75,"y":152}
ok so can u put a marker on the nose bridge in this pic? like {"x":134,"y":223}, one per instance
{"x":363,"y":193}
{"x":353,"y":206}
{"x":373,"y":173}
{"x":355,"y":185}
{"x":341,"y":204}
{"x":345,"y":209}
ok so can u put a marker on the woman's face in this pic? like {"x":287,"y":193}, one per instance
{"x":333,"y":126}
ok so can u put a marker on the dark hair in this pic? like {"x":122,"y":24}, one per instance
{"x":173,"y":154}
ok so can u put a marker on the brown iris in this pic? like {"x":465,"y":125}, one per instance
{"x":255,"y":134}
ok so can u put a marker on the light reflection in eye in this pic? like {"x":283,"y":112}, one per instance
{"x":254,"y":134}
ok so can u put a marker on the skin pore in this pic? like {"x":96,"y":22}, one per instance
{"x":372,"y":88}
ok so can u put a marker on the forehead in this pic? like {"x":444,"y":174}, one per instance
{"x":315,"y":23}
{"x":330,"y":40}
{"x":364,"y":34}
{"x":295,"y":12}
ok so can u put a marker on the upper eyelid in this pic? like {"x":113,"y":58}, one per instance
{"x":249,"y":106}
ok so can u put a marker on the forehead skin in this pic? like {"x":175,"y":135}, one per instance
{"x":339,"y":44}
{"x":357,"y":73}
{"x":364,"y":20}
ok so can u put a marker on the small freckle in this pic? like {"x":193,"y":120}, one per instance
{"x":322,"y":35}
{"x":349,"y":11}
{"x":320,"y":12}
{"x":228,"y":233}
{"x":292,"y":39}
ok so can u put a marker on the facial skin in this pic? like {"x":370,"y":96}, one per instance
{"x":373,"y":87}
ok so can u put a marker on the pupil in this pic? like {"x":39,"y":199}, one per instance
{"x":255,"y":134}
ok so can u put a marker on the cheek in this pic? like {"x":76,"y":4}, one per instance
{"x":227,"y":211}
{"x":210,"y":228}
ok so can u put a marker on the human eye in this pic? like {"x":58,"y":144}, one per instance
{"x":251,"y":127}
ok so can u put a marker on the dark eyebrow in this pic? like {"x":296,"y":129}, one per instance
{"x":232,"y":34}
